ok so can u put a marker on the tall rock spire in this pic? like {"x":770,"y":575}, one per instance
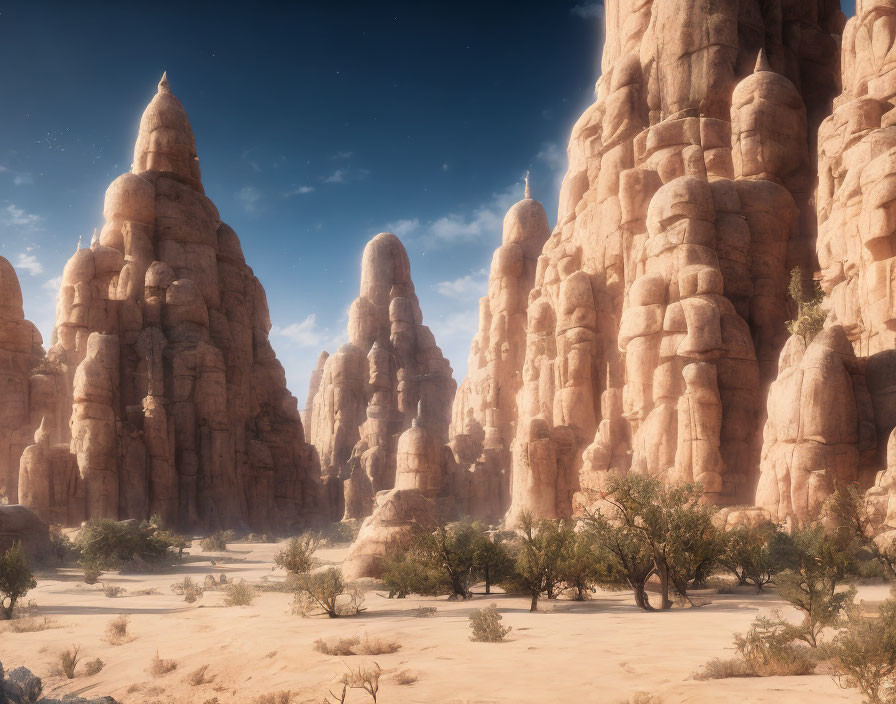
{"x":527,"y":193}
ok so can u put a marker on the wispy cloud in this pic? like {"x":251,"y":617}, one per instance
{"x":249,"y":197}
{"x":299,"y":191}
{"x":454,"y":328}
{"x":484,"y":221}
{"x":52,"y":284}
{"x":471,"y":286}
{"x":404,"y":227}
{"x":21,"y":218}
{"x":22,"y":179}
{"x":347,"y":175}
{"x":342,"y":156}
{"x":307,"y":334}
{"x":588,"y":10}
{"x":29,"y":263}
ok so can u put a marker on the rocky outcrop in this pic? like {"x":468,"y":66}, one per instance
{"x":20,"y":686}
{"x":28,"y":382}
{"x":370,"y":389}
{"x":483,"y":420}
{"x":179,"y":407}
{"x":658,"y":309}
{"x":18,"y":524}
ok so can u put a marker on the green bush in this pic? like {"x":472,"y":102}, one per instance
{"x":238,"y":594}
{"x":864,"y":653}
{"x":538,"y":550}
{"x":403,"y":574}
{"x":298,"y":555}
{"x":322,"y":590}
{"x":109,"y":545}
{"x":217,"y":542}
{"x":810,"y":314}
{"x":486,"y":625}
{"x":16,"y":579}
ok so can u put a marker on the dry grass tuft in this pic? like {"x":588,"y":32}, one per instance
{"x":282,"y":697}
{"x":92,"y":667}
{"x":404,"y":678}
{"x":117,"y":630}
{"x":31,"y":624}
{"x":239,"y":594}
{"x":197,"y":677}
{"x":643,"y":698}
{"x":378,"y":646}
{"x":188,"y":589}
{"x":342,"y":647}
{"x":112,"y":591}
{"x":355,"y":646}
{"x":68,"y":661}
{"x":158,"y":666}
{"x":425,"y":611}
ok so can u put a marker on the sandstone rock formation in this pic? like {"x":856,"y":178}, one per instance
{"x":483,"y":420}
{"x":370,"y":389}
{"x":28,"y":383}
{"x":179,"y":406}
{"x":19,"y":524}
{"x":658,"y":309}
{"x":422,"y":498}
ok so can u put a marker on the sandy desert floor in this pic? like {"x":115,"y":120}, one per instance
{"x":603,"y":650}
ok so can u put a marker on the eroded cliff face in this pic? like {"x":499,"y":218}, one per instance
{"x":178,"y":405}
{"x":660,"y":300}
{"x":372,"y":388}
{"x":483,"y":420}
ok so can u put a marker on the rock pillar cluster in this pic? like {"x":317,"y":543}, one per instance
{"x":177,"y":405}
{"x":658,"y":308}
{"x":369,"y":391}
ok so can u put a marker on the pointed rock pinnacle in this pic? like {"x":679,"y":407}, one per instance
{"x":527,"y":193}
{"x":762,"y":63}
{"x":163,"y":84}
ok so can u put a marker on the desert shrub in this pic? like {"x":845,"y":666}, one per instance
{"x":32,"y":624}
{"x":365,"y":677}
{"x":320,"y":591}
{"x":68,"y":661}
{"x":425,"y":611}
{"x":92,"y":667}
{"x":848,"y":508}
{"x":810,"y":313}
{"x":281,"y":697}
{"x":643,"y":698}
{"x":298,"y":555}
{"x":864,"y":653}
{"x":111,"y":591}
{"x":755,"y":554}
{"x":109,"y":545}
{"x":723,"y":668}
{"x":378,"y":646}
{"x":404,"y":574}
{"x":768,"y":649}
{"x":404,"y":678}
{"x":197,"y":677}
{"x":339,"y":533}
{"x":158,"y":666}
{"x":538,"y":549}
{"x":92,"y":572}
{"x":492,"y":562}
{"x":239,"y":594}
{"x":117,"y":630}
{"x":486,"y":625}
{"x":16,"y":579}
{"x":342,"y":647}
{"x":216,"y":542}
{"x":820,"y":562}
{"x":62,"y":549}
{"x":187,"y":588}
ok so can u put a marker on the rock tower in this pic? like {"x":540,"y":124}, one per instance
{"x":178,"y":405}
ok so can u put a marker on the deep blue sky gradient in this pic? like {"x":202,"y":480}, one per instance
{"x":318,"y":125}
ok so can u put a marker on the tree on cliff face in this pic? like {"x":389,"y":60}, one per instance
{"x":668,"y":522}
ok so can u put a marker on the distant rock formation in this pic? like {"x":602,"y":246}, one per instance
{"x":657,"y":314}
{"x":28,"y":382}
{"x":483,"y":421}
{"x":178,"y":405}
{"x":370,"y":389}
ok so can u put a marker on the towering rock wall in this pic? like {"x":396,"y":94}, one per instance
{"x":28,"y":383}
{"x":832,"y":410}
{"x":483,"y":420}
{"x":179,"y":406}
{"x":371,"y":389}
{"x":658,"y":310}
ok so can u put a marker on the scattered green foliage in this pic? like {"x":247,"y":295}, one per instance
{"x":810,"y":314}
{"x":16,"y":579}
{"x":298,"y":555}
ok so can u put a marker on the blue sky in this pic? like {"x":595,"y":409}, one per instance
{"x":318,"y":126}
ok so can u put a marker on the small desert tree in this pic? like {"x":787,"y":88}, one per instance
{"x":755,"y":554}
{"x":298,"y":555}
{"x":15,"y":579}
{"x":584,"y":562}
{"x":630,"y":559}
{"x":537,"y":557}
{"x":810,"y":314}
{"x":404,"y":573}
{"x":848,"y":508}
{"x":821,"y":562}
{"x":492,"y":562}
{"x":451,"y":551}
{"x":864,"y":653}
